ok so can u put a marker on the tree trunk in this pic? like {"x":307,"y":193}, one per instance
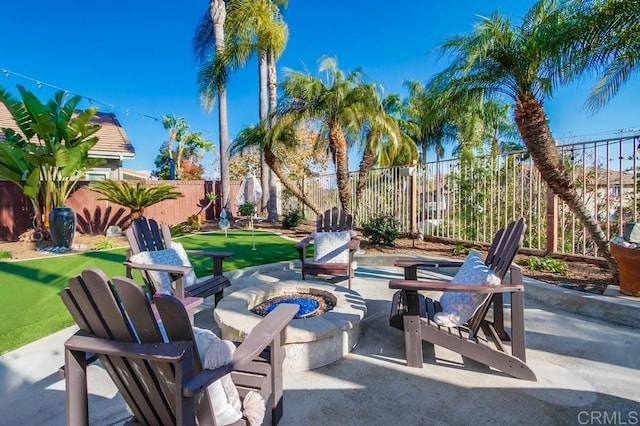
{"x":534,"y":128}
{"x":365,"y":167}
{"x":264,"y":112}
{"x":338,"y":147}
{"x":272,"y":161}
{"x":218,"y":13}
{"x":272,"y":204}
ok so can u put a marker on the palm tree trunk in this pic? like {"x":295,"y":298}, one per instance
{"x":365,"y":167}
{"x":264,"y":112}
{"x":272,"y":204}
{"x":534,"y":128}
{"x":218,"y":13}
{"x":338,"y":147}
{"x":272,"y":161}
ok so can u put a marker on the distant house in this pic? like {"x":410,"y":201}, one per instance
{"x":113,"y":145}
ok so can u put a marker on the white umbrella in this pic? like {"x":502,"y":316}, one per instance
{"x":223,"y":223}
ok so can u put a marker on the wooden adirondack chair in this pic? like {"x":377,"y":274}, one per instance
{"x":332,"y":221}
{"x":162,"y":381}
{"x":145,"y":235}
{"x":414,"y":313}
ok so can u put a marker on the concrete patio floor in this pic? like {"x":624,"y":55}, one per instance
{"x":588,"y":369}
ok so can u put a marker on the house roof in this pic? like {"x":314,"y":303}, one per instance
{"x":113,"y":141}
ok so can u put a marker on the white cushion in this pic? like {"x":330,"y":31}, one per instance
{"x":223,"y":394}
{"x":332,"y":247}
{"x":174,"y":256}
{"x":459,"y":307}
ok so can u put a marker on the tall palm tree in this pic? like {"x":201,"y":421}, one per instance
{"x":255,"y":136}
{"x":253,"y":27}
{"x":340,"y":107}
{"x":211,"y":27}
{"x":525,"y":63}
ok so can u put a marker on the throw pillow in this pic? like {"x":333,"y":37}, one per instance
{"x":459,"y":307}
{"x":222,"y":397}
{"x":170,"y":256}
{"x":332,"y":247}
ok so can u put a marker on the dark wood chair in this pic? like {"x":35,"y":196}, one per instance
{"x":333,"y":220}
{"x":160,"y":378}
{"x":146,"y":235}
{"x":414,"y":313}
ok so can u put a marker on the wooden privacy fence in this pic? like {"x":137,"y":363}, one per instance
{"x":469,"y":202}
{"x":94,"y":215}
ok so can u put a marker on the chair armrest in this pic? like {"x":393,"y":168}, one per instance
{"x":431,"y":263}
{"x":412,"y":285}
{"x":171,"y":269}
{"x":216,"y":258}
{"x":354,"y":244}
{"x":303,"y":243}
{"x":166,"y":352}
{"x":258,"y":339}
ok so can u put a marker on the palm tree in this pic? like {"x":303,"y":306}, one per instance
{"x":339,"y":106}
{"x":608,"y":38}
{"x":431,"y":126}
{"x":136,"y":198}
{"x":254,"y":136}
{"x":525,"y":63}
{"x":385,"y":145}
{"x":211,"y":27}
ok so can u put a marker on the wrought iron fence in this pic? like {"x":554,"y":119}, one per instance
{"x":469,"y":202}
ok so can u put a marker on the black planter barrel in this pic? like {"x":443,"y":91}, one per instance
{"x":62,"y":225}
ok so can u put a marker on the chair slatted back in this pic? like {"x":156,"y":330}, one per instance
{"x":122,"y":312}
{"x":503,"y":250}
{"x":334,"y":220}
{"x":146,"y":235}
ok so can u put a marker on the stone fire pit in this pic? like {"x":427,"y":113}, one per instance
{"x":310,"y":342}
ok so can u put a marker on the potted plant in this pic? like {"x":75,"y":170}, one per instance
{"x":626,"y":251}
{"x":48,"y":156}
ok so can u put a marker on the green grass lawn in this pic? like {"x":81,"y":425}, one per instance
{"x":30,"y":307}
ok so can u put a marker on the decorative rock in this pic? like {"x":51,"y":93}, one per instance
{"x":592,"y":290}
{"x":565,"y":285}
{"x":631,"y":232}
{"x":113,"y":231}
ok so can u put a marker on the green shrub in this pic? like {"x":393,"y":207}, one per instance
{"x":6,"y":254}
{"x":247,"y":208}
{"x":292,"y":218}
{"x":103,"y":244}
{"x":460,"y":249}
{"x":545,"y":264}
{"x":382,"y":229}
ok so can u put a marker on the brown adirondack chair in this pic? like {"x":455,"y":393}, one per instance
{"x":332,"y":221}
{"x":414,"y":313}
{"x":160,"y":378}
{"x":144,"y":235}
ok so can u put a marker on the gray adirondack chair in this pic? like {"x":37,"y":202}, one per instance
{"x":333,"y":220}
{"x":146,"y":235}
{"x":162,"y":381}
{"x":414,"y":313}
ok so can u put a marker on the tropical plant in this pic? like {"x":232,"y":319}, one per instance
{"x":51,"y":152}
{"x":136,"y":198}
{"x":525,"y":63}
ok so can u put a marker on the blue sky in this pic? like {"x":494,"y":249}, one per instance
{"x":136,"y":56}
